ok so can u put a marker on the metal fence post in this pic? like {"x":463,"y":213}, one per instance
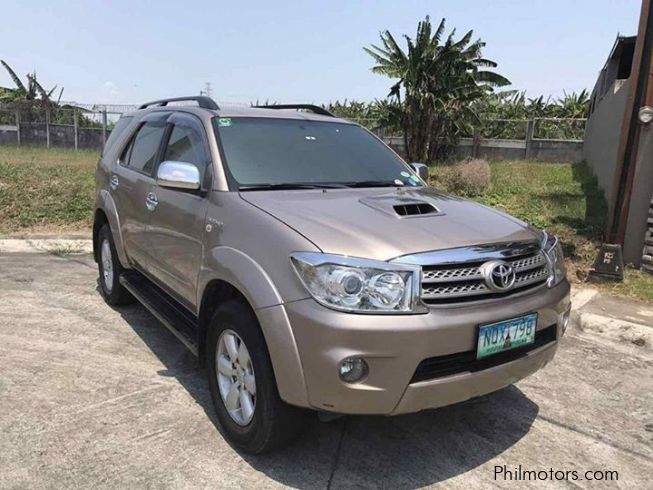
{"x":104,"y":126}
{"x":47,"y":127}
{"x":530,"y":131}
{"x":18,"y":126}
{"x":76,"y":128}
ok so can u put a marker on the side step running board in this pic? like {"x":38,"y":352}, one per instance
{"x":165,"y":308}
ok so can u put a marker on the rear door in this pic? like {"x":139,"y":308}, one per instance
{"x":176,"y":225}
{"x":131,"y":181}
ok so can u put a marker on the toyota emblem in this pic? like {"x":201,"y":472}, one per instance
{"x":498,"y":275}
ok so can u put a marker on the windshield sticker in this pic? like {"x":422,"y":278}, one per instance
{"x":405,"y":174}
{"x":414,"y":178}
{"x":399,"y":182}
{"x":224,"y":122}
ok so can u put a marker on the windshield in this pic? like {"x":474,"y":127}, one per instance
{"x":279,"y":153}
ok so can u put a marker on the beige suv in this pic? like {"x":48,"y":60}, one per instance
{"x":311,"y":269}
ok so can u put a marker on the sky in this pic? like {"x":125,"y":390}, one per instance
{"x":291,"y":51}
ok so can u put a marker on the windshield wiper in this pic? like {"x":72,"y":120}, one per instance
{"x":287,"y":186}
{"x":374,"y":183}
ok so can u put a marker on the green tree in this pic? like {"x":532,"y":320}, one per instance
{"x":439,"y":82}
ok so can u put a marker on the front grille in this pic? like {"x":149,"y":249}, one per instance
{"x":463,"y":282}
{"x":441,"y":366}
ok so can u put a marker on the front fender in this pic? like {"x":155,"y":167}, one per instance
{"x":246,"y":275}
{"x":106,"y":203}
{"x":242,"y":272}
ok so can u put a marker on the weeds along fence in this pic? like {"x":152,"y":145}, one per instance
{"x":87,"y":126}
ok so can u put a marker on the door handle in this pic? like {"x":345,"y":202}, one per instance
{"x":114,"y":182}
{"x":151,"y":201}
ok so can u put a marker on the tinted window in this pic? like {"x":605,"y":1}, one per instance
{"x":146,"y":146}
{"x":287,"y":151}
{"x":185,"y":145}
{"x":117,"y":130}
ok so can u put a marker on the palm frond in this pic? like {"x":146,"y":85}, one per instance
{"x":14,"y":77}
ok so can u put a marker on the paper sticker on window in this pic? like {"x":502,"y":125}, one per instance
{"x":224,"y":122}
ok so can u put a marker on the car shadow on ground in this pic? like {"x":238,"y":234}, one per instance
{"x":408,"y":451}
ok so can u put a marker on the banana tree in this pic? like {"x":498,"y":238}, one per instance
{"x":32,"y":91}
{"x":439,"y":82}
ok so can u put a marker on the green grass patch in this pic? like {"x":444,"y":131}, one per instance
{"x":46,"y":189}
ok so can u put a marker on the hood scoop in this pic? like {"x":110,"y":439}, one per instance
{"x":403,"y":207}
{"x":415,"y":209}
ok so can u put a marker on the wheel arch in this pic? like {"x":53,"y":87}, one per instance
{"x":99,"y":220}
{"x":234,"y":275}
{"x":106,"y":213}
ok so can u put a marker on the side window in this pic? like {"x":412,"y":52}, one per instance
{"x":142,"y":152}
{"x":185,"y":145}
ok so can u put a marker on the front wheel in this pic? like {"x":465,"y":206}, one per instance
{"x":251,"y":414}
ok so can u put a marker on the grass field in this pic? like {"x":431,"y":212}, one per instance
{"x":46,"y":190}
{"x":52,"y":191}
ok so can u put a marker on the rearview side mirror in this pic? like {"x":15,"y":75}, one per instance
{"x":178,"y":175}
{"x":421,"y":170}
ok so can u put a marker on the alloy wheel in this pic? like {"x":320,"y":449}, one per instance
{"x":107,"y":264}
{"x":236,"y":380}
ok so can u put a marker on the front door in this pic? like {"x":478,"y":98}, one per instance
{"x":176,"y":225}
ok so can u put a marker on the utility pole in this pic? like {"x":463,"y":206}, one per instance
{"x":609,"y":261}
{"x":641,"y":95}
{"x":207,"y":90}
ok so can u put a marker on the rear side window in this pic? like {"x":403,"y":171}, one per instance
{"x":117,"y":130}
{"x":142,"y":152}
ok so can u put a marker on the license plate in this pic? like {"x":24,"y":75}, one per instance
{"x":506,"y":335}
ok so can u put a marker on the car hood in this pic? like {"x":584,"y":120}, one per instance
{"x":365,"y":222}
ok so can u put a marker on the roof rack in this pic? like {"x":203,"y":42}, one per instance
{"x":309,"y":107}
{"x":203,"y":101}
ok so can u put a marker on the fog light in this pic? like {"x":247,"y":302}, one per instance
{"x":353,"y":370}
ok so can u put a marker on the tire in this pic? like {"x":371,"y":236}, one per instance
{"x":109,"y":271}
{"x":273,"y":423}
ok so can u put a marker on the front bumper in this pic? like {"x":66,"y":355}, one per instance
{"x":393,"y":346}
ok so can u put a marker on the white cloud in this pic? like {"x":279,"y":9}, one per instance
{"x":111,"y":88}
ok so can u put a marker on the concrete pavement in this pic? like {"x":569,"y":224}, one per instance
{"x":92,"y":396}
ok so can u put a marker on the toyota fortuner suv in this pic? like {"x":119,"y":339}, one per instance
{"x":311,"y":269}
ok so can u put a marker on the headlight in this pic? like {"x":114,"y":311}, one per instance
{"x":553,"y":250}
{"x":358,"y":285}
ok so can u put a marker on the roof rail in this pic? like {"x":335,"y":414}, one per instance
{"x":203,"y":101}
{"x":309,"y":107}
